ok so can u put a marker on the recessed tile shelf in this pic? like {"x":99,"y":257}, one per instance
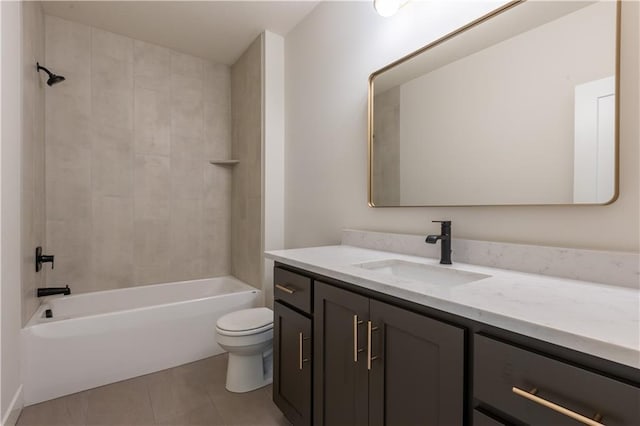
{"x":224,"y":162}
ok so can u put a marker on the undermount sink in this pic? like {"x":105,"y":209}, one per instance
{"x":420,"y":272}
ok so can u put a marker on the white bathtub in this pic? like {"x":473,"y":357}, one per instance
{"x":98,"y":338}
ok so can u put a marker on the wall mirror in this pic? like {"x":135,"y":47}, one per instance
{"x":518,"y":107}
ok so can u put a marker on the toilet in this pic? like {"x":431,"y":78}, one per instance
{"x":248,"y":337}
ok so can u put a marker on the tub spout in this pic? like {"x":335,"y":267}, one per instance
{"x":50,"y":291}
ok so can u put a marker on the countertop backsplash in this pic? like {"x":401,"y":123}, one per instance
{"x":606,"y":267}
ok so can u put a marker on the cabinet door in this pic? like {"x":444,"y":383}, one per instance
{"x":291,"y":364}
{"x":341,"y":382}
{"x":417,"y":371}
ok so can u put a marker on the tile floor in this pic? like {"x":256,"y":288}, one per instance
{"x":191,"y":394}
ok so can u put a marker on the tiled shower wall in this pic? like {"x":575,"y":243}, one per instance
{"x":33,"y":183}
{"x":131,"y":197}
{"x":246,"y":105}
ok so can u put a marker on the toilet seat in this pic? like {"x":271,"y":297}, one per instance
{"x":245,"y":322}
{"x":244,"y":332}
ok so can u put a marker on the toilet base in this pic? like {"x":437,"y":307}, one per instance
{"x":249,"y":372}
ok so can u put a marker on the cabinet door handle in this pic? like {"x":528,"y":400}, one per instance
{"x":356,"y":323}
{"x":370,"y":358}
{"x":531,"y":396}
{"x":301,"y":359}
{"x":285,"y":289}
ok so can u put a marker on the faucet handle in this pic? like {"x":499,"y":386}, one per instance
{"x":445,"y":226}
{"x":43,"y":258}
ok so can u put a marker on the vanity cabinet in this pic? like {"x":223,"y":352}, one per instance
{"x":481,"y":419}
{"x":538,"y":390}
{"x":292,"y":369}
{"x":341,"y":378}
{"x":292,"y":346}
{"x":377,"y":364}
{"x":366,"y":358}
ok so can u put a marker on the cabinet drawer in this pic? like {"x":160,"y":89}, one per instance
{"x":293,"y":289}
{"x":501,"y":369}
{"x":481,"y":419}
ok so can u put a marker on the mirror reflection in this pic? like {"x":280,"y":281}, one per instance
{"x":520,"y":108}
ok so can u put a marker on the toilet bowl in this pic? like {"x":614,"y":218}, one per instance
{"x":248,"y":337}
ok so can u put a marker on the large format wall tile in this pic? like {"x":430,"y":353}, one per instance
{"x":112,"y":161}
{"x":187,"y":168}
{"x":246,"y":199}
{"x":68,"y":45}
{"x":187,"y":261}
{"x":187,"y":113}
{"x":112,"y":45}
{"x":131,"y":196}
{"x":112,"y":90}
{"x":152,"y":65}
{"x":33,"y":147}
{"x":186,"y":65}
{"x":70,"y":240}
{"x":68,"y":193}
{"x":152,"y":121}
{"x":152,"y":244}
{"x":112,"y":248}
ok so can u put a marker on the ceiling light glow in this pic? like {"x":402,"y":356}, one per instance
{"x":387,"y":8}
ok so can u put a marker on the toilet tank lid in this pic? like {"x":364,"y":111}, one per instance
{"x":246,"y":319}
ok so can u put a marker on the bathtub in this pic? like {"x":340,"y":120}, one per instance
{"x":103,"y":337}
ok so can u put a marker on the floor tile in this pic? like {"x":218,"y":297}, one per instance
{"x":124,"y":403}
{"x":250,"y":408}
{"x":204,"y":415}
{"x":191,"y":394}
{"x":175,"y":392}
{"x":50,"y":413}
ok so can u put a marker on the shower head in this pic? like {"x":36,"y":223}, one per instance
{"x":53,"y":79}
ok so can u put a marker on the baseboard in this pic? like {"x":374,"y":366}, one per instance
{"x":15,"y":408}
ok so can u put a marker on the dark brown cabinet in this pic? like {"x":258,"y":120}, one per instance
{"x":481,"y":419}
{"x":344,"y":355}
{"x":379,"y":364}
{"x":292,"y":289}
{"x":417,"y":369}
{"x":538,"y":390}
{"x":292,"y":369}
{"x":341,"y":377}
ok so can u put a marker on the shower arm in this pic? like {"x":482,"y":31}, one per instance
{"x":40,"y":67}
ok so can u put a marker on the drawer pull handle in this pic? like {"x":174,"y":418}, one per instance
{"x":370,"y":358}
{"x":531,"y":396}
{"x":285,"y":289}
{"x":356,"y":323}
{"x":301,"y":359}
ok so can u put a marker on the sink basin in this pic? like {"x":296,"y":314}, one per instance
{"x":421,"y":272}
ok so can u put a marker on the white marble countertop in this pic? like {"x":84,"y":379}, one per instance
{"x":593,"y":318}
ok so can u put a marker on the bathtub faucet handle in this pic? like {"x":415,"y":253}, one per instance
{"x":42,"y":258}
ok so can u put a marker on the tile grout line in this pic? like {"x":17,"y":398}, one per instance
{"x":153,"y":412}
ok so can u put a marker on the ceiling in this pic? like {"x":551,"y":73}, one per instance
{"x":215,"y":30}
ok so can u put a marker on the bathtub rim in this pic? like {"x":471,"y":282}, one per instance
{"x":38,"y":320}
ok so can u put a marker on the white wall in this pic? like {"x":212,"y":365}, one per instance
{"x":326,"y":149}
{"x":10,"y":187}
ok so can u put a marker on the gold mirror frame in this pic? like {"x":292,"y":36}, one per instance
{"x":455,"y":33}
